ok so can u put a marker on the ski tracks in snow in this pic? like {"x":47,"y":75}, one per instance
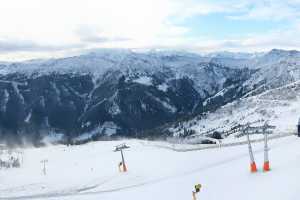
{"x":94,"y":187}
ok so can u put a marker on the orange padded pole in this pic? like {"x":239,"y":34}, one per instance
{"x":266,"y":166}
{"x":253,"y":167}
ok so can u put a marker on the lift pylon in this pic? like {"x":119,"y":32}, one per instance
{"x":253,"y":167}
{"x":120,"y":148}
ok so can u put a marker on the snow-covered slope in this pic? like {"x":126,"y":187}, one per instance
{"x":236,"y":59}
{"x":109,"y":92}
{"x":90,"y":172}
{"x":270,"y":94}
{"x":279,"y":107}
{"x":278,"y":56}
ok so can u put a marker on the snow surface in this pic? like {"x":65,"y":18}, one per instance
{"x":279,"y":107}
{"x":52,"y":138}
{"x":90,"y":172}
{"x":163,"y":87}
{"x":108,"y":128}
{"x":144,"y":80}
{"x":28,"y":117}
{"x":168,"y":106}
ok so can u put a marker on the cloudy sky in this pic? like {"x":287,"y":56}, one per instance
{"x":47,"y":28}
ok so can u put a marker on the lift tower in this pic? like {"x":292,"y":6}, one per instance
{"x":120,"y":148}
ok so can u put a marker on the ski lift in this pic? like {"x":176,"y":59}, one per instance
{"x":121,"y":147}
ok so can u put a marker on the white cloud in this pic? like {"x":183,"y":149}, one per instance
{"x":61,"y":22}
{"x":269,"y":10}
{"x":56,"y":27}
{"x":283,"y":39}
{"x":91,"y":35}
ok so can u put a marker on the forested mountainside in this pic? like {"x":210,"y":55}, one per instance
{"x":127,"y":93}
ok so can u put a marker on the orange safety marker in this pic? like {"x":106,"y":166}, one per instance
{"x":253,"y":167}
{"x":266,"y":166}
{"x":124,"y":167}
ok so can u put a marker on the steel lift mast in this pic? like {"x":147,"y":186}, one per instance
{"x":120,"y":148}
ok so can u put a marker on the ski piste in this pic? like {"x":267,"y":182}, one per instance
{"x":154,"y":172}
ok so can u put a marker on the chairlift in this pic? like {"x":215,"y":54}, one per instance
{"x":121,"y":147}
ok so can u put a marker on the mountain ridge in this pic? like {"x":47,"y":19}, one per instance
{"x":125,"y":93}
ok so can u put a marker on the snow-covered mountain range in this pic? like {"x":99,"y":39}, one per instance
{"x":272,"y":96}
{"x":128,"y":93}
